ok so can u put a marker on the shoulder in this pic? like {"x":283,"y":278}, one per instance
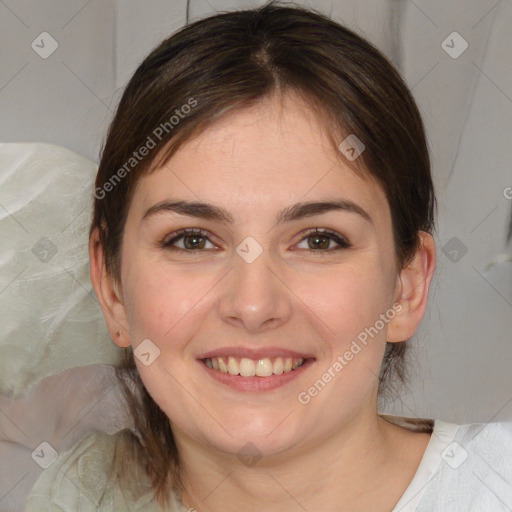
{"x":88,"y":477}
{"x":477,"y":434}
{"x":475,"y":470}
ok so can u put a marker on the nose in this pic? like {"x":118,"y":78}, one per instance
{"x":255,"y":297}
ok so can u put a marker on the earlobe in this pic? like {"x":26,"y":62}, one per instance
{"x":109,"y":297}
{"x":413,"y":284}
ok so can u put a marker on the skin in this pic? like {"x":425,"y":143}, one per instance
{"x":335,"y":453}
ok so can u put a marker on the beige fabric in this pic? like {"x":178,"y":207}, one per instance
{"x":49,"y":313}
{"x":86,"y":478}
{"x":61,"y":410}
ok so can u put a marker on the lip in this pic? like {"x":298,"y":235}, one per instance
{"x":254,"y":353}
{"x":255,"y":384}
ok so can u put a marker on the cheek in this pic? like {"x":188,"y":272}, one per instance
{"x":347,"y":298}
{"x":351,"y":304}
{"x":161,"y":300}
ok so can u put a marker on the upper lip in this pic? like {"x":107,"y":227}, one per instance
{"x":253,"y":353}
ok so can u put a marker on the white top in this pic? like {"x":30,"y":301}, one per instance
{"x":442,"y":435}
{"x":464,"y":468}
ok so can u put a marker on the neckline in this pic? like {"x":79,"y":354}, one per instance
{"x":442,"y":435}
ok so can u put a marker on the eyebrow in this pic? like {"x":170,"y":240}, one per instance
{"x":295,"y":212}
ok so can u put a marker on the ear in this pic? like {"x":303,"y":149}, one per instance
{"x":110,"y":299}
{"x":411,"y":291}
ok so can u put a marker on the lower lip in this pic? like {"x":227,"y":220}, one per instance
{"x":256,"y":384}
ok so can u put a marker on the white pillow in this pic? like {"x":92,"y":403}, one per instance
{"x":49,"y":315}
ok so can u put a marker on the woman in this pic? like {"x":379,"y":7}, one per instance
{"x":262,"y":246}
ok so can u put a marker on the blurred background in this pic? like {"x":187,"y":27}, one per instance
{"x":63,"y":66}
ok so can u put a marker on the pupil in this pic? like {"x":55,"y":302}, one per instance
{"x":323,"y":244}
{"x":316,"y":238}
{"x":194,"y":244}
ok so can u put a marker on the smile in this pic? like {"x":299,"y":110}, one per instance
{"x":246,"y":367}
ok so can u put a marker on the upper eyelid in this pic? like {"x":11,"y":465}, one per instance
{"x":181,"y":233}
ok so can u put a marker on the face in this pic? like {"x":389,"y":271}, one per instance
{"x":254,"y":288}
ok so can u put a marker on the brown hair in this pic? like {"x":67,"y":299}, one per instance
{"x":231,"y":61}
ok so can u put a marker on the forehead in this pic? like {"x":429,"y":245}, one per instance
{"x":263,"y":157}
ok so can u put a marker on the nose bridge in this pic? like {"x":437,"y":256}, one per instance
{"x":255,"y":296}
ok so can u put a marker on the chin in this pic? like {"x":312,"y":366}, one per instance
{"x":265,"y":437}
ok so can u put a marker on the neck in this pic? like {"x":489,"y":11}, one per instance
{"x":347,"y":470}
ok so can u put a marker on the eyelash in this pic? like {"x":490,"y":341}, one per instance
{"x":166,"y":243}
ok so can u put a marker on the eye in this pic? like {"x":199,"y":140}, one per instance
{"x":193,"y":239}
{"x":321,"y":239}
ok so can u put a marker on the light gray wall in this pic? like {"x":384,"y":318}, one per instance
{"x":466,"y":339}
{"x":464,"y":346}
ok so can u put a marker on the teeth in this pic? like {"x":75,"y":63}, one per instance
{"x":233,"y":368}
{"x":249,"y":368}
{"x":222,"y":366}
{"x":278,"y":366}
{"x":264,"y":368}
